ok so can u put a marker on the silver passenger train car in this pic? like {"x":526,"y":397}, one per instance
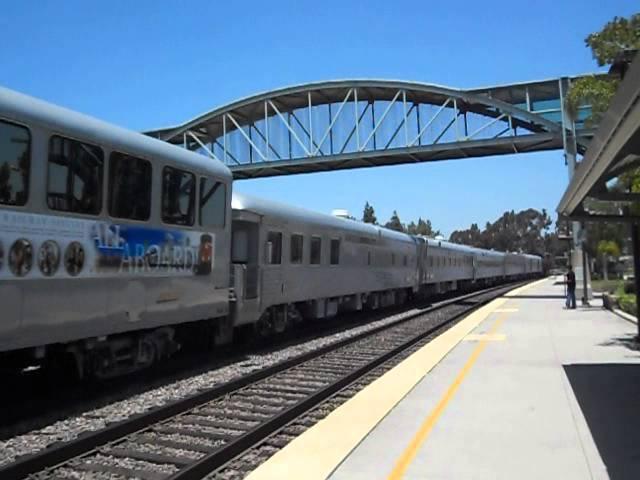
{"x":115,"y":249}
{"x":290,"y":263}
{"x":104,"y":231}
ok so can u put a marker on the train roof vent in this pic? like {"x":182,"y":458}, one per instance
{"x":341,"y":213}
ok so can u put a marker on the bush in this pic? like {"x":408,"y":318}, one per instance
{"x":627,"y":303}
{"x":609,"y":286}
{"x":630,"y":287}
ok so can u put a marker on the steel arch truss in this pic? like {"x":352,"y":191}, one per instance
{"x":350,"y":124}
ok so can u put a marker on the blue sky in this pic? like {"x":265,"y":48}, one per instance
{"x":144,"y":64}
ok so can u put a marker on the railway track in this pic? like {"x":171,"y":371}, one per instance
{"x":226,"y":431}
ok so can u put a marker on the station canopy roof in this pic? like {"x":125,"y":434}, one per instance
{"x":595,"y":191}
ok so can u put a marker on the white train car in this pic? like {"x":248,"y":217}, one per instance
{"x":108,"y":239}
{"x":290,"y":263}
{"x":449,"y":266}
{"x":533,"y":264}
{"x":490,"y":265}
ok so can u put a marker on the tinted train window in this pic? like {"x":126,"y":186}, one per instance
{"x":274,"y":257}
{"x":129,"y":187}
{"x":393,"y":259}
{"x":15,"y":159}
{"x":404,"y":262}
{"x":178,"y":196}
{"x":316,"y":251}
{"x":335,"y":251}
{"x":75,"y":176}
{"x":213,"y":203}
{"x":297,"y":242}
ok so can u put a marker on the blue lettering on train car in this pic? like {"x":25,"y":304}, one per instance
{"x":132,"y":249}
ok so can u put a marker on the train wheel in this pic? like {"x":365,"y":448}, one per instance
{"x":264,"y":326}
{"x":147,"y":352}
{"x":280,"y":319}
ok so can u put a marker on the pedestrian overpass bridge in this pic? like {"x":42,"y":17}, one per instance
{"x":345,"y":124}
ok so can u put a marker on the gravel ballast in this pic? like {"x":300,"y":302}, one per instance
{"x":72,"y":427}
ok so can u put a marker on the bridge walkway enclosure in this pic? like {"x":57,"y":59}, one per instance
{"x":347,"y":124}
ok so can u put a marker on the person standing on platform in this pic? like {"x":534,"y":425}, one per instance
{"x":571,"y":288}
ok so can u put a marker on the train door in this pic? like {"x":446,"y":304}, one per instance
{"x":474,"y":265}
{"x":244,"y":252}
{"x":421,"y":259}
{"x":245,"y":269}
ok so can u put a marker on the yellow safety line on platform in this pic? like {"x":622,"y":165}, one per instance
{"x":423,"y":432}
{"x":489,"y":337}
{"x":319,"y":451}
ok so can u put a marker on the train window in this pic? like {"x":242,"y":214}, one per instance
{"x":274,"y":254}
{"x":404,"y":262}
{"x":15,"y":163}
{"x":129,"y":187}
{"x":75,"y":176}
{"x":178,"y":196}
{"x":316,"y":251}
{"x":431,"y":261}
{"x":213,"y":203}
{"x":297,"y":248}
{"x":335,"y":251}
{"x":393,"y":259}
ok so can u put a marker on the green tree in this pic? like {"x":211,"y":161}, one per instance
{"x":593,"y":91}
{"x":598,"y":232}
{"x":369,"y":214}
{"x":471,"y":236}
{"x":423,"y":227}
{"x":394,"y":223}
{"x":616,"y":37}
{"x":524,"y":231}
{"x":607,"y":249}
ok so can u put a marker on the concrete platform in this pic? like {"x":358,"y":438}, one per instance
{"x":520,"y":389}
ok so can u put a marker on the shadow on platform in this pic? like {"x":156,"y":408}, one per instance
{"x":629,"y":341}
{"x":608,"y":397}
{"x":534,"y":297}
